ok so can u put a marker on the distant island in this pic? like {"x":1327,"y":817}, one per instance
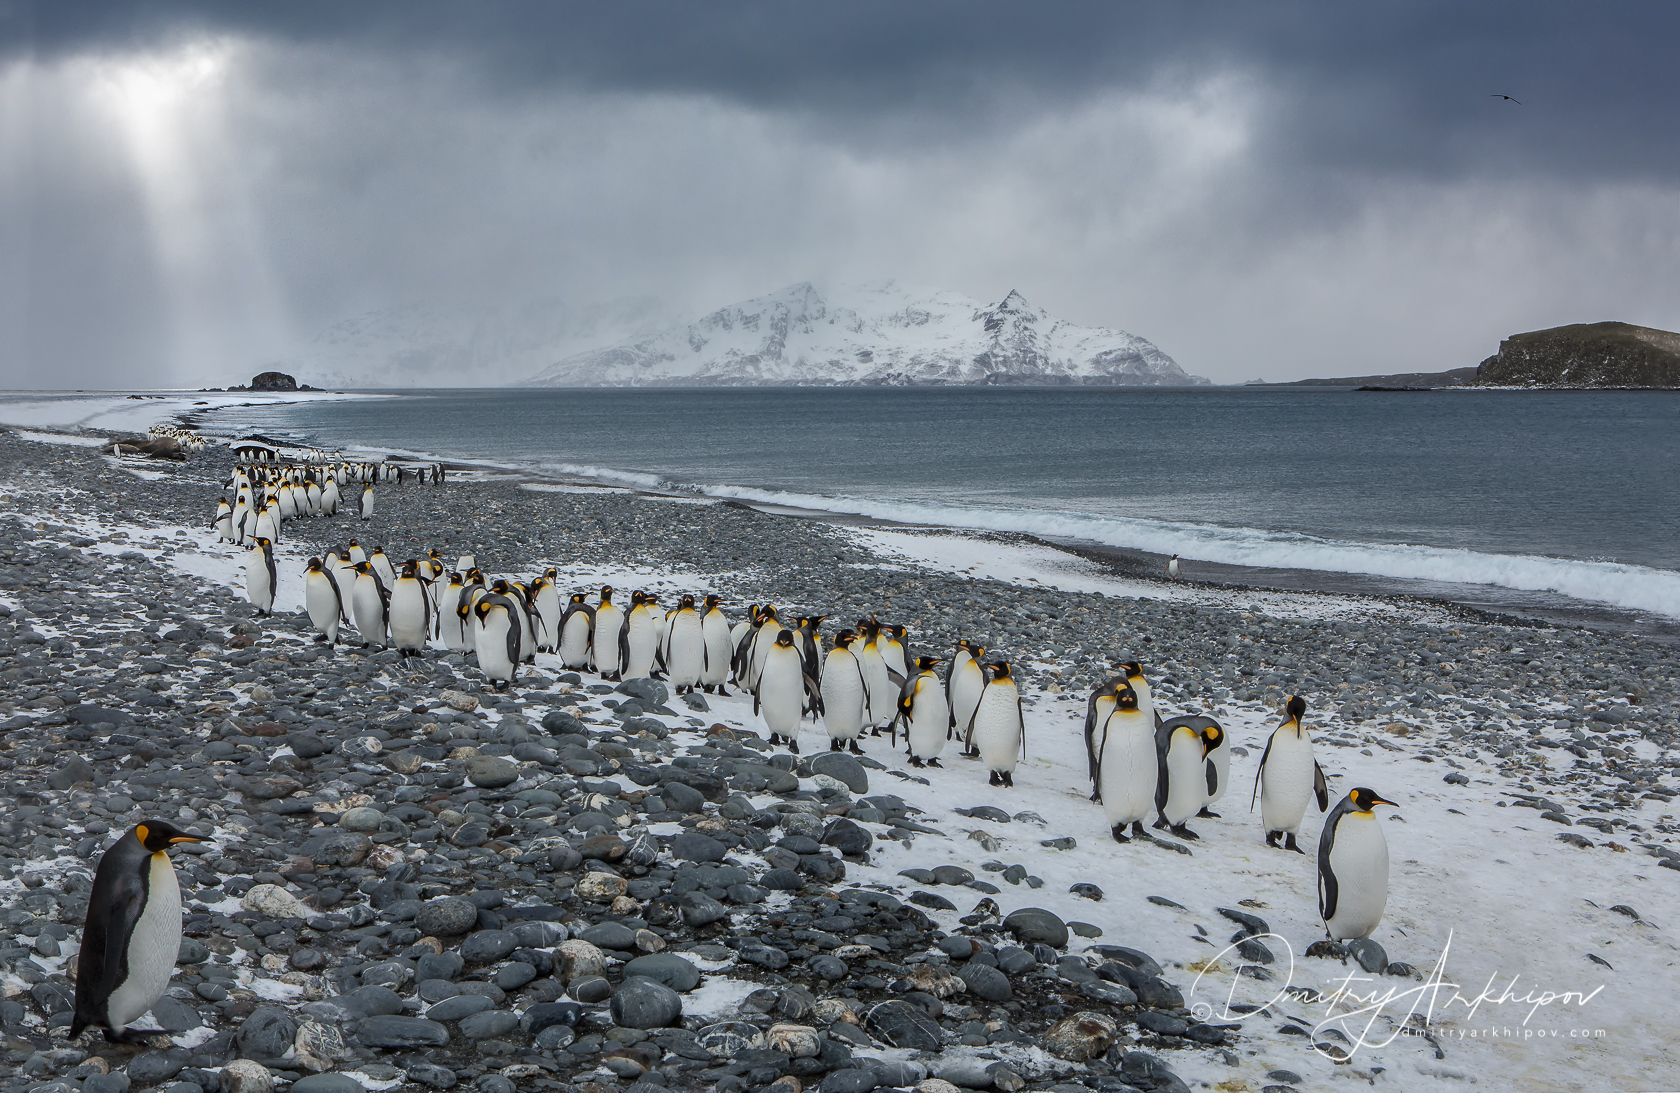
{"x":1456,"y":377}
{"x":1585,"y":355}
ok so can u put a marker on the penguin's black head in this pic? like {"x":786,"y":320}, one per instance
{"x":925,"y":664}
{"x":844,"y":638}
{"x":1126,"y":698}
{"x":1132,"y":668}
{"x":1000,"y":669}
{"x":1297,"y":707}
{"x":411,"y":568}
{"x":686,"y":601}
{"x":1212,"y":737}
{"x":578,"y":597}
{"x":313,"y":565}
{"x":1363,"y":799}
{"x":785,"y":639}
{"x":159,"y":835}
{"x":711,"y":602}
{"x":606,"y":593}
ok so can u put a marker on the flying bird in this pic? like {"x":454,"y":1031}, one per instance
{"x":1507,"y":98}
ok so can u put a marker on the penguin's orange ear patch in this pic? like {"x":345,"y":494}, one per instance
{"x":142,"y":833}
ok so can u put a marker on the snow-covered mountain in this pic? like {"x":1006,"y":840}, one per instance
{"x":877,"y":335}
{"x":437,"y":345}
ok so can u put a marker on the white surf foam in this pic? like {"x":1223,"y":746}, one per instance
{"x":1641,"y":588}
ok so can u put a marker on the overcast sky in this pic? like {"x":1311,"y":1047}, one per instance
{"x":189,"y":191}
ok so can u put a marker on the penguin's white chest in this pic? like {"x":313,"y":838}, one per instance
{"x":574,"y":640}
{"x":687,"y":655}
{"x":152,"y":948}
{"x":1359,"y":862}
{"x":609,"y":623}
{"x":781,"y":691}
{"x":967,"y":683}
{"x":643,"y":642}
{"x":1286,"y":781}
{"x":1129,"y":768}
{"x":879,"y":702}
{"x":997,"y":727}
{"x":322,"y":604}
{"x":715,"y":629}
{"x":368,"y":610}
{"x":492,"y":646}
{"x":842,"y":695}
{"x":930,"y":714}
{"x":408,"y":615}
{"x":1186,"y":778}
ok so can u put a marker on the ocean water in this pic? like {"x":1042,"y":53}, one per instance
{"x":1530,"y":496}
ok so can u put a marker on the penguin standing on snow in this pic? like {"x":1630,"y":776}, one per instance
{"x":497,"y":639}
{"x":222,"y":522}
{"x":808,"y":637}
{"x":1128,"y":768}
{"x":323,"y":601}
{"x":642,"y":629}
{"x":577,"y":627}
{"x":715,"y":633}
{"x":133,"y":931}
{"x":260,"y":578}
{"x":1097,"y":710}
{"x":410,"y":612}
{"x":1353,"y":867}
{"x":785,"y":693}
{"x":964,"y":682}
{"x":925,"y":713}
{"x":685,"y":647}
{"x":845,"y":695}
{"x":1218,"y":762}
{"x":370,"y":604}
{"x":997,"y":729}
{"x":609,"y":642}
{"x":545,"y":598}
{"x":1288,"y":777}
{"x":1181,"y":749}
{"x":367,"y":501}
{"x":883,"y":681}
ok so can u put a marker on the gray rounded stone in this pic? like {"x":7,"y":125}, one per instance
{"x":482,"y":1026}
{"x":361,"y":819}
{"x":401,"y":1032}
{"x":693,"y":846}
{"x":667,"y":968}
{"x":844,"y":767}
{"x":446,"y":917}
{"x":458,"y":1007}
{"x":643,"y":1003}
{"x":985,"y":982}
{"x":490,"y":772}
{"x":1035,"y":924}
{"x":266,"y":1034}
{"x":610,"y":935}
{"x":327,"y":1082}
{"x":488,"y":946}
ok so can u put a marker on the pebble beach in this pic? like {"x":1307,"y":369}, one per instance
{"x":417,"y":883}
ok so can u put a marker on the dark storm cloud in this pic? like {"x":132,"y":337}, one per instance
{"x":1280,"y":189}
{"x":1403,"y":88}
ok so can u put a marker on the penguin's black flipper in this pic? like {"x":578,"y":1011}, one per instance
{"x":119,"y":896}
{"x":1321,"y":788}
{"x":1258,"y":771}
{"x":1212,"y":779}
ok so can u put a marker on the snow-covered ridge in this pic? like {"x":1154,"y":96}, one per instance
{"x":876,"y":335}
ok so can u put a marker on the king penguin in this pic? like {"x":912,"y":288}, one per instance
{"x":1172,"y":568}
{"x":642,"y":629}
{"x":497,"y":639}
{"x":715,"y":630}
{"x":1288,"y":777}
{"x":1097,"y":710}
{"x":577,"y":628}
{"x":545,"y":597}
{"x":370,"y":604}
{"x":1128,"y":769}
{"x":685,"y":647}
{"x":844,"y":694}
{"x":323,"y":601}
{"x":133,"y":931}
{"x":1353,"y":867}
{"x":964,"y":682}
{"x":997,"y":729}
{"x":609,"y":643}
{"x":785,"y":694}
{"x":367,"y":501}
{"x":925,"y":713}
{"x":411,"y":612}
{"x":1181,"y":750}
{"x":259,"y":575}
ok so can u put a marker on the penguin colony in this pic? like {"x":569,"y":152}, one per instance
{"x":866,"y":682}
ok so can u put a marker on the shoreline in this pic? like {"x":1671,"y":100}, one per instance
{"x":1519,"y":607}
{"x":1512,"y":712}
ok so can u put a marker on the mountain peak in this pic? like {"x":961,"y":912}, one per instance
{"x":881,"y":333}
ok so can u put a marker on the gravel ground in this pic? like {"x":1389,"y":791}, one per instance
{"x":417,"y":883}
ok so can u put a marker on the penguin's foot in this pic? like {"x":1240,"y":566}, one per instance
{"x":1183,"y":832}
{"x":917,"y":763}
{"x":793,"y":746}
{"x":1205,"y":814}
{"x":128,"y":1036}
{"x":935,"y":763}
{"x":721,"y":691}
{"x":1289,"y":843}
{"x":775,"y":738}
{"x":994,"y":780}
{"x":1120,"y":835}
{"x":1096,"y":796}
{"x":836,"y":744}
{"x":320,"y":637}
{"x":1137,"y":830}
{"x":1009,"y":779}
{"x":853,"y":748}
{"x":1160,"y":823}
